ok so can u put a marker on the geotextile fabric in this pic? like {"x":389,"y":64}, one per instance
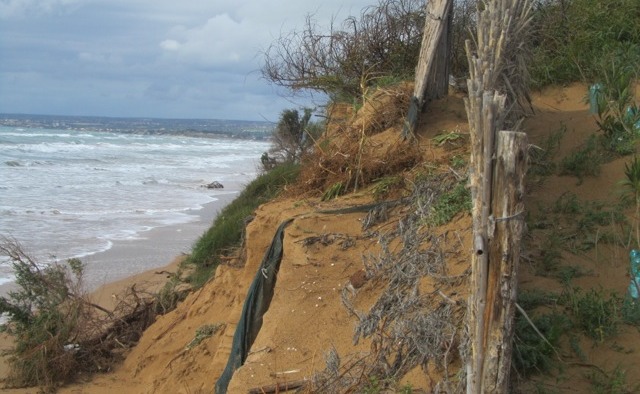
{"x":255,"y":305}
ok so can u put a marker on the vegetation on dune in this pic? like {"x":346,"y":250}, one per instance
{"x":383,"y":41}
{"x":575,"y":39}
{"x":58,"y":332}
{"x":292,"y":138}
{"x":227,"y":230}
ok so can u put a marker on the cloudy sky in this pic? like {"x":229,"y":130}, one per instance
{"x":148,"y":58}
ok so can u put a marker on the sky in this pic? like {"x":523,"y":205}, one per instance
{"x":149,"y":58}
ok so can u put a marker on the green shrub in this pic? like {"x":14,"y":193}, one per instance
{"x":614,"y":100}
{"x":595,"y":313}
{"x":228,"y":227}
{"x":572,"y":38}
{"x":450,"y":204}
{"x":614,"y":382}
{"x":44,"y":316}
{"x":531,"y":353}
{"x":583,"y":162}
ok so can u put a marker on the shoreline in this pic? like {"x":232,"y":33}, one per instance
{"x":153,"y":249}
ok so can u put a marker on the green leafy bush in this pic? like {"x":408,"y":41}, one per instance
{"x":292,"y":137}
{"x":44,"y":316}
{"x":614,"y":101}
{"x":573,"y":38}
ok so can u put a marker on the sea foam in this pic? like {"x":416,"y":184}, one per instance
{"x":72,"y":194}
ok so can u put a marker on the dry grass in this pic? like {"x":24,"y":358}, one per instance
{"x":358,"y":149}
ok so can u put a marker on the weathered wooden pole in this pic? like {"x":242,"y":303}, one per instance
{"x":497,"y":168}
{"x":497,"y":184}
{"x":483,"y":110}
{"x":505,"y":225}
{"x":432,"y":72}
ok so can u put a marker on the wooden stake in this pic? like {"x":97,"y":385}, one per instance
{"x":505,"y":232}
{"x":433,"y":64}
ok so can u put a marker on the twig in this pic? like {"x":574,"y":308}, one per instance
{"x":449,"y":300}
{"x":276,"y":374}
{"x":526,"y":316}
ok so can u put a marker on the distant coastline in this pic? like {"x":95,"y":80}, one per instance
{"x":205,"y":128}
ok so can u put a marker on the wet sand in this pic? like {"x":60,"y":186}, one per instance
{"x":154,"y":249}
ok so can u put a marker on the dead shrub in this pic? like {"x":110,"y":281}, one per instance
{"x":407,"y":326}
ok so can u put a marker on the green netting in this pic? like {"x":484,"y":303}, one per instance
{"x":255,"y":305}
{"x":260,"y":295}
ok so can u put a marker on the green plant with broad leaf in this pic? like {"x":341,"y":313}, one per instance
{"x":632,"y":187}
{"x":618,"y":114}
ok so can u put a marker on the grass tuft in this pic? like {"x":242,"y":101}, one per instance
{"x":595,"y":313}
{"x":583,"y":162}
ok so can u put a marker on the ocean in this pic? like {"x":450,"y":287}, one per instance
{"x":69,"y":193}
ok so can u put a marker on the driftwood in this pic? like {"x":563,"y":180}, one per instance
{"x":279,"y":387}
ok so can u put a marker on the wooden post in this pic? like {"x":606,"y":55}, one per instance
{"x":437,"y":85}
{"x":496,"y":177}
{"x":505,"y":226}
{"x":483,"y":110}
{"x":431,"y":63}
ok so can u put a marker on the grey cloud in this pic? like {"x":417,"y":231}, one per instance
{"x":20,"y":8}
{"x":192,"y":58}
